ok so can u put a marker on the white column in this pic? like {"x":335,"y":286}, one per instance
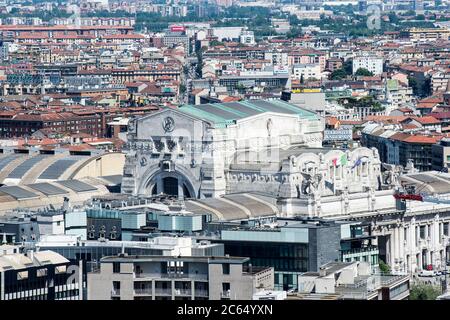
{"x":401,"y":244}
{"x":412,"y":245}
{"x":395,"y":247}
{"x":2,"y":286}
{"x":418,"y":236}
{"x":435,"y":232}
{"x":389,"y":255}
{"x":180,"y":189}
{"x":159,"y":185}
{"x":419,"y":267}
{"x":412,"y":236}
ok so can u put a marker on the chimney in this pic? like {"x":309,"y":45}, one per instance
{"x":66,"y":204}
{"x":322,"y":271}
{"x":30,"y":254}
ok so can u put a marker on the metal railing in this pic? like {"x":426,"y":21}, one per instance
{"x":156,"y":276}
{"x":115,"y":292}
{"x":354,"y":295}
{"x":165,"y":292}
{"x":183,"y":292}
{"x":225,"y":294}
{"x":146,"y":291}
{"x":201,"y":293}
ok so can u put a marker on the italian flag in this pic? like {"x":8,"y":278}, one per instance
{"x":342,"y":160}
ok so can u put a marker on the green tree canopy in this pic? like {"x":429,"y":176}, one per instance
{"x":384,"y":268}
{"x":424,"y":292}
{"x":338,"y":74}
{"x":363,"y":72}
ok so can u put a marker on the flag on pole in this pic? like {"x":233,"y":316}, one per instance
{"x":344,"y":159}
{"x":357,"y":163}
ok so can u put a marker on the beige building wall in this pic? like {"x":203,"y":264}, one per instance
{"x":100,"y":285}
{"x":104,"y":165}
{"x":241,"y":287}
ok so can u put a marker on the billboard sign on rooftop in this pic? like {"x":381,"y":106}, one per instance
{"x":177,"y":28}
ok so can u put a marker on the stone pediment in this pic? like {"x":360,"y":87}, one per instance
{"x":170,"y":123}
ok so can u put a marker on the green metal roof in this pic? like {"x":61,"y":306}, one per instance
{"x":224,"y":114}
{"x":392,"y":84}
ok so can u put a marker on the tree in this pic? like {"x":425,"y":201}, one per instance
{"x":214,"y":43}
{"x":420,"y":17}
{"x":384,"y":268}
{"x":412,"y":82}
{"x":363,"y":72}
{"x":338,"y":74}
{"x":424,"y":292}
{"x":348,"y":66}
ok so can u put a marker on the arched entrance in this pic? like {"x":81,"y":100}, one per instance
{"x":171,"y":184}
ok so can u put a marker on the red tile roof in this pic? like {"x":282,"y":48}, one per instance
{"x":424,"y":120}
{"x":420,"y":139}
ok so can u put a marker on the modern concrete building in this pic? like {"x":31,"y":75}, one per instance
{"x":441,"y":155}
{"x":173,"y":38}
{"x":247,"y":38}
{"x":370,"y":62}
{"x":90,"y":252}
{"x":354,"y":281}
{"x":306,"y":72}
{"x":177,"y":278}
{"x":295,"y":246}
{"x":43,"y":275}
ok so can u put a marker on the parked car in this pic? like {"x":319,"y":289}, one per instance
{"x":428,"y":273}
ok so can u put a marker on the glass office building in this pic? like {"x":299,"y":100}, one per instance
{"x":291,"y":247}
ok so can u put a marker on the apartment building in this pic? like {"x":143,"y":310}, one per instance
{"x":429,"y":34}
{"x":439,"y":81}
{"x":43,"y":275}
{"x":441,"y":155}
{"x":172,"y":38}
{"x":400,"y":148}
{"x":306,"y":71}
{"x":126,"y":277}
{"x":370,"y":62}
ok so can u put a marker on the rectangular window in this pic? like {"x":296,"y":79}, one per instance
{"x":116,"y":267}
{"x":445,"y":229}
{"x":226,"y":286}
{"x":22,"y":275}
{"x":41,"y":272}
{"x":116,"y":285}
{"x":422,"y":232}
{"x":225,"y":268}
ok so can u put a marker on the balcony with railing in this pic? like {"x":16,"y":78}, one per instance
{"x":183,"y":292}
{"x":201,"y":293}
{"x":143,"y":292}
{"x":170,"y":276}
{"x":225,"y":294}
{"x":115,"y":292}
{"x":358,"y":252}
{"x":163,"y":292}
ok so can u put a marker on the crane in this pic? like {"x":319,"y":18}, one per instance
{"x":410,"y":193}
